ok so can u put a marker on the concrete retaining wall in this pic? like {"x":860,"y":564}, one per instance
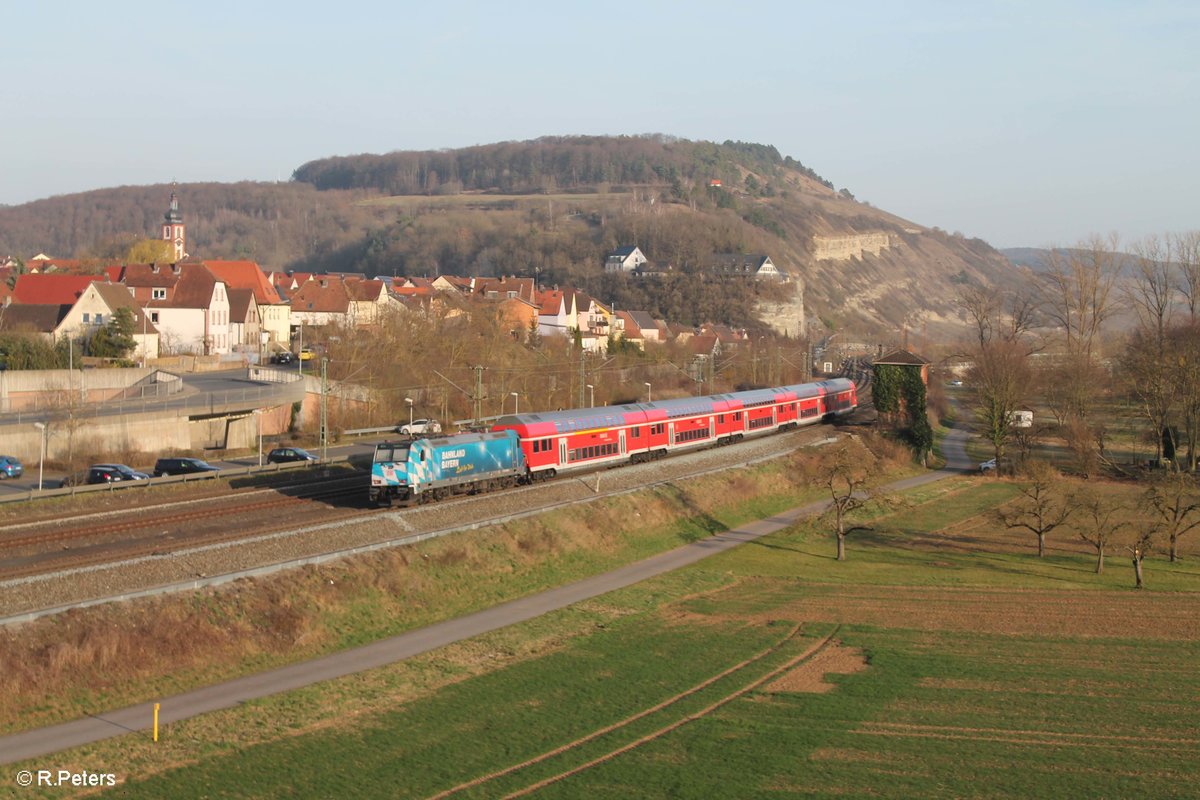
{"x":36,"y":389}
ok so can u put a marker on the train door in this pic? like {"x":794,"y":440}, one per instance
{"x":621,"y":440}
{"x":670,"y":433}
{"x":562,"y":452}
{"x":712,"y":422}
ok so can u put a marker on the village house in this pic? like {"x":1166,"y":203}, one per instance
{"x":624,"y":259}
{"x":193,"y":314}
{"x":273,"y":312}
{"x":744,"y":264}
{"x":557,"y":315}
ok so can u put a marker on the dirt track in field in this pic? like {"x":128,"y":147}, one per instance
{"x":1160,"y":615}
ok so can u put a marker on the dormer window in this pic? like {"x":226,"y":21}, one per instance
{"x":158,"y":293}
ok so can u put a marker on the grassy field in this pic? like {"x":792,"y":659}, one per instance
{"x":942,"y":659}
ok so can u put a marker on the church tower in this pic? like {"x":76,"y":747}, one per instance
{"x":173,"y":230}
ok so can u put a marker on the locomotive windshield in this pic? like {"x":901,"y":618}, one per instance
{"x":388,"y":452}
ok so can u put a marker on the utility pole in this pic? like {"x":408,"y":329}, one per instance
{"x":324,"y":408}
{"x":478,"y":396}
{"x":582,"y":379}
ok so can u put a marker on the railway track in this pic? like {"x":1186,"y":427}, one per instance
{"x":61,"y":544}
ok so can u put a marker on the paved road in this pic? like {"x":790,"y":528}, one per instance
{"x":44,"y":741}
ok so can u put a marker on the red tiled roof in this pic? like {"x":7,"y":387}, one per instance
{"x":194,"y":288}
{"x":245,"y":275}
{"x":158,"y":276}
{"x":550,"y":302}
{"x":702,"y":344}
{"x":51,"y":289}
{"x":363,"y":290}
{"x":332,"y":297}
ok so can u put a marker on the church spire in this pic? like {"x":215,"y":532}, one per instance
{"x":174,"y":231}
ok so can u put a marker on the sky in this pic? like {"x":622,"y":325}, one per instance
{"x":1026,"y":124}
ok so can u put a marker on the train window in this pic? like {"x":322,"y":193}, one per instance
{"x":720,"y":417}
{"x":634,"y":433}
{"x":737,"y":417}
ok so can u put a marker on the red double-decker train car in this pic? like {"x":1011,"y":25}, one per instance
{"x":561,"y":441}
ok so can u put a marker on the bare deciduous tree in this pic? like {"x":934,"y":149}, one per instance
{"x":1079,"y":288}
{"x":850,"y":473}
{"x":1186,"y":248}
{"x":1001,"y":377}
{"x":1101,"y":523}
{"x":1175,"y":499}
{"x":1141,"y":548}
{"x":1152,"y":381}
{"x":993,"y":316}
{"x":1042,"y":506}
{"x":1184,"y":349}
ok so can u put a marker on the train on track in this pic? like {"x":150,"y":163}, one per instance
{"x":524,"y":448}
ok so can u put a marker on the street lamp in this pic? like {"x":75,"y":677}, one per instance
{"x":410,"y":417}
{"x":591,"y":395}
{"x":41,"y":426}
{"x":300,"y":352}
{"x":648,"y":398}
{"x":516,"y":402}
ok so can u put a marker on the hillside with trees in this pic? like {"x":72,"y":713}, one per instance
{"x":552,"y":207}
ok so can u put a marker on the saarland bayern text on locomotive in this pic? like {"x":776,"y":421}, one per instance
{"x":530,"y":447}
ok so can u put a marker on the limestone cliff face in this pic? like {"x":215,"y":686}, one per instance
{"x":786,"y":317}
{"x":843,"y":248}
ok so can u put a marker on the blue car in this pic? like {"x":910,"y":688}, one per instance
{"x":10,"y":468}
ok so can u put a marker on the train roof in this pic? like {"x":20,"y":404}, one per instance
{"x":583,"y":419}
{"x":452,"y":439}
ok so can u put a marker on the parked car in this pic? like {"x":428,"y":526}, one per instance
{"x":283,"y":357}
{"x":307,"y":354}
{"x":420,"y":427}
{"x":182,"y":466}
{"x":956,"y":382}
{"x":10,"y":468}
{"x":114,"y":473}
{"x":287,"y":455}
{"x":988,"y":466}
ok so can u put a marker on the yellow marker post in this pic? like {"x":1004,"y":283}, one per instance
{"x":156,"y":722}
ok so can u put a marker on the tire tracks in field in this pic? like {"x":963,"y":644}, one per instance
{"x":811,"y":651}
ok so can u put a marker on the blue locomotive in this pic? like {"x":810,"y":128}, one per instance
{"x":423,"y":469}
